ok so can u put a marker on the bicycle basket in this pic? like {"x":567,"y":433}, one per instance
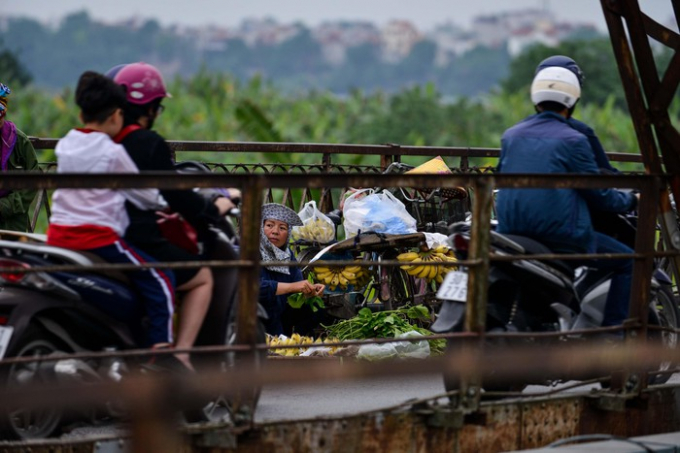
{"x":434,"y":207}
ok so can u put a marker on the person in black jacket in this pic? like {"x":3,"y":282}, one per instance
{"x":146,"y":90}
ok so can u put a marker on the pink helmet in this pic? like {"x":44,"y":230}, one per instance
{"x":143,"y":83}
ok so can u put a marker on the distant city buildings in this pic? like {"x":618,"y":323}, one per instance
{"x":515,"y":29}
{"x":336,"y":37}
{"x":397,"y":39}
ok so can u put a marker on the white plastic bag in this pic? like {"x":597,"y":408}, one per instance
{"x":317,"y":227}
{"x":412,"y":349}
{"x":402,"y":349}
{"x":377,"y":351}
{"x":379,"y":212}
{"x":435,"y":240}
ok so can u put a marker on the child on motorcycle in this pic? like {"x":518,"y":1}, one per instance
{"x":95,"y":220}
{"x":145,"y":91}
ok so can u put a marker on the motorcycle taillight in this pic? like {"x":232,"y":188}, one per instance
{"x":9,"y":276}
{"x":461,"y":243}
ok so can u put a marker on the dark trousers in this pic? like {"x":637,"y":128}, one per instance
{"x":618,"y":298}
{"x":155,"y":287}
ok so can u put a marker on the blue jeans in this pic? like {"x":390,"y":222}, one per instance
{"x":618,"y":298}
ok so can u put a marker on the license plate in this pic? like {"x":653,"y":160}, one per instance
{"x":454,"y":287}
{"x":5,"y":335}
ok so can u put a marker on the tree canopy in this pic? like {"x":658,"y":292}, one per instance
{"x":595,"y":58}
{"x":12,"y":71}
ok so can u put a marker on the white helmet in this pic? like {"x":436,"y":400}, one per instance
{"x":557,"y":85}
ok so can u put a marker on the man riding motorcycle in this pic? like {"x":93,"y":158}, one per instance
{"x":560,"y":218}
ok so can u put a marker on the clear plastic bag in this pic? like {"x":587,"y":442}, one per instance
{"x":379,"y":212}
{"x":378,"y":351}
{"x":402,"y":349}
{"x":412,"y":349}
{"x":317,"y":227}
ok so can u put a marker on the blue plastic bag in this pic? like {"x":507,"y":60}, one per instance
{"x":379,"y":212}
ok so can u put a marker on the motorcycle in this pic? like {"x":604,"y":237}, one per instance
{"x":53,"y":313}
{"x":546,"y":296}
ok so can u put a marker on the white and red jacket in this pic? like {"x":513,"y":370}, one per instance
{"x":90,"y":218}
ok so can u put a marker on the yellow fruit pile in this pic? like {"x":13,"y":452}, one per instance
{"x":341,"y":276}
{"x":363,"y":275}
{"x":314,"y":230}
{"x":297,"y":339}
{"x":416,"y":268}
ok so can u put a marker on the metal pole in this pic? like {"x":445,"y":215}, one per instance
{"x":249,"y":278}
{"x":475,"y":320}
{"x":643,"y":267}
{"x":615,"y":13}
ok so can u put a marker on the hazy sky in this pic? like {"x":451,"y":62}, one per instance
{"x":424,"y":13}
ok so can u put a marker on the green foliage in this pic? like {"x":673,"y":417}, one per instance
{"x":56,"y":57}
{"x":219,"y":107}
{"x":12,"y":71}
{"x":595,"y":58}
{"x":254,"y":122}
{"x":475,"y":72}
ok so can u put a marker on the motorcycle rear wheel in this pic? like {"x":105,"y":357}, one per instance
{"x":452,"y":383}
{"x":663,"y":311}
{"x":30,"y":423}
{"x":241,"y":407}
{"x":665,"y":306}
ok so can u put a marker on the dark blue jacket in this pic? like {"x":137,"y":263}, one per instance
{"x":601,"y":158}
{"x":559,"y":218}
{"x":275,"y":305}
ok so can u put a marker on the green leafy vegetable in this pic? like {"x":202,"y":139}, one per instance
{"x":385,"y":324}
{"x":297,"y":300}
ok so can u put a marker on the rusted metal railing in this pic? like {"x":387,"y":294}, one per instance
{"x":255,"y":187}
{"x":327,"y":199}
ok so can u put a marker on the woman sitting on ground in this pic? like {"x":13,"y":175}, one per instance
{"x":278,"y":282}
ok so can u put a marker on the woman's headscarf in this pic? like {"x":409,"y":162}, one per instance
{"x":8,"y":133}
{"x":4,"y":93}
{"x":268,"y":251}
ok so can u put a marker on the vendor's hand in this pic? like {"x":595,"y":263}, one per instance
{"x":304,"y":287}
{"x":317,"y":290}
{"x":224,"y":205}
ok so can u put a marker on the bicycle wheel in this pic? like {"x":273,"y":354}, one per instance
{"x":397,"y":288}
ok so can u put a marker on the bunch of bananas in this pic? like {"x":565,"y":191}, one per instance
{"x":296,"y":339}
{"x":416,"y":268}
{"x":339,"y":276}
{"x":314,"y":230}
{"x":363,"y":275}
